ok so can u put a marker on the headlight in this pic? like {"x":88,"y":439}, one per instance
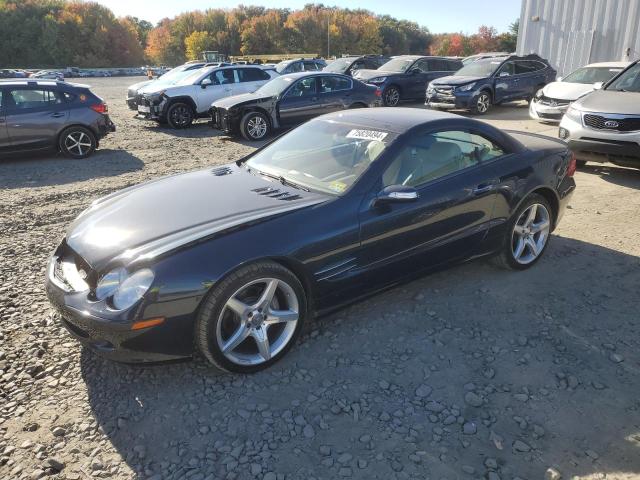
{"x":466,"y":88}
{"x":574,"y":114}
{"x":110,"y":283}
{"x":132,"y":289}
{"x":378,"y":80}
{"x":538,"y":94}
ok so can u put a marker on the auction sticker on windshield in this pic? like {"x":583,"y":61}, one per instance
{"x":367,"y":135}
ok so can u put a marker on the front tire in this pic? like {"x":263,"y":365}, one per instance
{"x":77,"y":142}
{"x":254,"y":126}
{"x":391,"y":96}
{"x":180,"y":115}
{"x":482,"y":103}
{"x":252,"y":318}
{"x":528,"y":234}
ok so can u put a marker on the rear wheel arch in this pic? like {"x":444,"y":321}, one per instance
{"x":66,"y":127}
{"x":550,"y":196}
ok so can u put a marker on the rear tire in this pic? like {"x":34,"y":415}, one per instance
{"x":77,"y":142}
{"x":255,"y":126}
{"x":481,"y":103}
{"x":180,"y":115}
{"x":238,"y":313}
{"x":528,"y":234}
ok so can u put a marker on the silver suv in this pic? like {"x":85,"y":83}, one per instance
{"x":604,"y":126}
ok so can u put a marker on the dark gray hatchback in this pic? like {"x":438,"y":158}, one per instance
{"x":44,"y":115}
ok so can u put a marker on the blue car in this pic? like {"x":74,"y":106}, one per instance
{"x":405,"y":77}
{"x":481,"y":84}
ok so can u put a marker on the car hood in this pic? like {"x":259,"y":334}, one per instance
{"x":610,"y":101}
{"x":365,"y":74}
{"x":566,"y":90}
{"x":154,"y":218}
{"x":237,"y":100}
{"x":456,"y":80}
{"x":139,"y":85}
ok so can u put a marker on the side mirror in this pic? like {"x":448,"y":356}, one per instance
{"x":414,"y":71}
{"x":597,"y":85}
{"x":559,"y":79}
{"x":397,"y":194}
{"x":206,"y":82}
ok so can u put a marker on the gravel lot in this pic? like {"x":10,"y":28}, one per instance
{"x":474,"y":372}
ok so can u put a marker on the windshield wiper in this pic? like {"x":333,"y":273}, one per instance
{"x":282,"y":180}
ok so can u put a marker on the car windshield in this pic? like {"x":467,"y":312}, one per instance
{"x":592,"y":75}
{"x":275,"y":86}
{"x":480,"y":68}
{"x":174,"y":76}
{"x":280,"y":67}
{"x":629,"y":81}
{"x":321,"y":155}
{"x":339,"y":66}
{"x":399,"y":65}
{"x":190,"y":77}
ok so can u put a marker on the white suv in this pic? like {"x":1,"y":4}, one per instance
{"x":604,"y":126}
{"x":179,"y":104}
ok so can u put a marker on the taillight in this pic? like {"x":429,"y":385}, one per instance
{"x":378,"y":92}
{"x":571,"y":169}
{"x":99,"y":107}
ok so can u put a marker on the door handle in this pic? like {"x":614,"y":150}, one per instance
{"x":485,"y":187}
{"x":57,"y":115}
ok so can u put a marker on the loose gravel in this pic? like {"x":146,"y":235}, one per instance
{"x":473,"y":373}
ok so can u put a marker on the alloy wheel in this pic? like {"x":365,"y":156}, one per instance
{"x":78,"y":143}
{"x":392,"y":97}
{"x":530,"y":234}
{"x":483,"y":103}
{"x":180,"y":116}
{"x":257,"y":321}
{"x":257,"y":127}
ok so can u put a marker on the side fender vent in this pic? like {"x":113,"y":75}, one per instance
{"x":221,"y":171}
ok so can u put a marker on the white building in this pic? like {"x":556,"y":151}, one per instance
{"x":572,"y":33}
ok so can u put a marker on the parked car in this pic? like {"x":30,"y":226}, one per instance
{"x":290,"y":100}
{"x":604,"y":126}
{"x":333,"y":211}
{"x":48,"y":74}
{"x":405,"y":77}
{"x":483,"y":56}
{"x":483,"y":83}
{"x":300,"y":65}
{"x":171,"y":76}
{"x":8,"y":73}
{"x":39,"y":115}
{"x":349,"y":65}
{"x":180,"y":103}
{"x":550,"y":102}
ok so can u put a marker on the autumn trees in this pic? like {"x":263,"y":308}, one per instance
{"x":58,"y":33}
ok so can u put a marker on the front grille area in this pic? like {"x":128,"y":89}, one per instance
{"x":619,"y":124}
{"x":553,"y":102}
{"x":70,"y":271}
{"x":551,"y":116}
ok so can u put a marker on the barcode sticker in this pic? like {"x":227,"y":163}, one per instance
{"x":367,"y":135}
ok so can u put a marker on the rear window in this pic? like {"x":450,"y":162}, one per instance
{"x":26,"y":98}
{"x":252,"y":75}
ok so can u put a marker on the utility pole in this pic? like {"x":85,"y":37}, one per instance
{"x":328,"y":36}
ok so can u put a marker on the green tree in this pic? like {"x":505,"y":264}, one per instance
{"x":196,"y":43}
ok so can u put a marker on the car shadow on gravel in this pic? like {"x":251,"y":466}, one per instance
{"x":53,"y":170}
{"x":385,"y":384}
{"x":625,"y":177}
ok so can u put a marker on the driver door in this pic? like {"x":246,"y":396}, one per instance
{"x":507,"y":83}
{"x":456,"y":187}
{"x":300,"y":102}
{"x":4,"y":134}
{"x":223,"y":84}
{"x":417,"y":78}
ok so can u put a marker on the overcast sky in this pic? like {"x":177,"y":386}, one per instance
{"x":438,"y":15}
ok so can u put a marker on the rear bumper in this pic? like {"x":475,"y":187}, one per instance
{"x":105,"y":127}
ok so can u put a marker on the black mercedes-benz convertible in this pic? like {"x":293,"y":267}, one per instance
{"x":232,"y":260}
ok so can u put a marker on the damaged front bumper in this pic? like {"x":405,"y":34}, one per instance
{"x":151,"y":108}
